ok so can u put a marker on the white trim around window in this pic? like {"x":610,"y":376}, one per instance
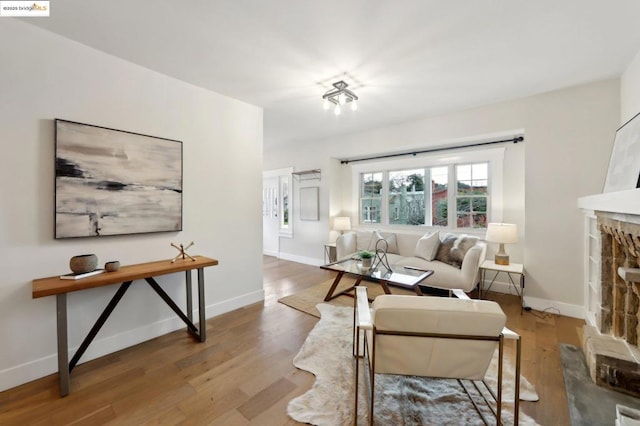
{"x":494,"y":156}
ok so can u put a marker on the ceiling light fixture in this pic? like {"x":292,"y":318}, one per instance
{"x":338,"y":96}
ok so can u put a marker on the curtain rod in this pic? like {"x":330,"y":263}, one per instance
{"x":424,"y":151}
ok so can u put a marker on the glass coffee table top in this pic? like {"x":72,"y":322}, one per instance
{"x":404,"y":276}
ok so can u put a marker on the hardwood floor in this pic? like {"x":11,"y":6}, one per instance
{"x":243,"y":374}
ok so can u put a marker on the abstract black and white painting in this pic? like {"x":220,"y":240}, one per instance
{"x":113,"y":182}
{"x":624,"y":165}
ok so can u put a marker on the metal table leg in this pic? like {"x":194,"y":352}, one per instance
{"x":520,"y":293}
{"x":189,"y":297}
{"x":203,"y":318}
{"x":522,"y":305}
{"x":63,"y":348}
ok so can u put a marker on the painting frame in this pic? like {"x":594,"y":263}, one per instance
{"x":309,"y":203}
{"x":111,"y":182}
{"x":624,"y":164}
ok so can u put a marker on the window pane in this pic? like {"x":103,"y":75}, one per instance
{"x":463,"y":204}
{"x":464,"y":220}
{"x":479,"y":171}
{"x":479,"y":221}
{"x":464,"y":187}
{"x":472,"y":179}
{"x":284,"y":223}
{"x":370,"y":208}
{"x":472,"y":220}
{"x":479,"y":204}
{"x":479,"y":187}
{"x":439,"y":196}
{"x":406,"y":197}
{"x":371,"y":184}
{"x":463,"y":172}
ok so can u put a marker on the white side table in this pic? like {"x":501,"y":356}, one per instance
{"x":330,"y":254}
{"x":511,"y":268}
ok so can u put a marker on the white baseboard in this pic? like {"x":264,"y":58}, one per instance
{"x":270,"y":253}
{"x":35,"y":369}
{"x":301,"y":259}
{"x":566,"y":309}
{"x":553,"y":307}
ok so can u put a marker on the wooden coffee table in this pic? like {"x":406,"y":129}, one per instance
{"x":399,"y":276}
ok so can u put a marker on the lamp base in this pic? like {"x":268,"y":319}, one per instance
{"x":501,"y":259}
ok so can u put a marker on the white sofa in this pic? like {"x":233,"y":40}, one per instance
{"x":407,"y":249}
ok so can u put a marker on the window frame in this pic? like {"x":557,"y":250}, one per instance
{"x":493,"y":156}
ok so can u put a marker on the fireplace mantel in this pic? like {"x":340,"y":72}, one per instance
{"x":625,"y":202}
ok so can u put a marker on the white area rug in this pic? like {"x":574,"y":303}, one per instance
{"x":400,"y":400}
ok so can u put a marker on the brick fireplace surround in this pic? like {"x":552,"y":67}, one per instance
{"x":612,"y":347}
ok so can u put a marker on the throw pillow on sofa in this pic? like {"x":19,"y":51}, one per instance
{"x":427,"y":246}
{"x":364,"y":240}
{"x":391,"y":246}
{"x":453,"y":248}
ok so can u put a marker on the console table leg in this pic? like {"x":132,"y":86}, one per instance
{"x":201,"y":308}
{"x":189,"y":297}
{"x":63,"y":348}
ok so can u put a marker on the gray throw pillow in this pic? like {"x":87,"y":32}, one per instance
{"x":453,"y":248}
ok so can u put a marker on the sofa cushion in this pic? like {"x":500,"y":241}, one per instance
{"x":453,"y":249}
{"x":427,"y":246}
{"x":392,"y":244}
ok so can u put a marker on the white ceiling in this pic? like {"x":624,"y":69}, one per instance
{"x":405,"y":59}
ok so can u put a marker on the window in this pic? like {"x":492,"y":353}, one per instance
{"x":285,"y":202}
{"x":420,"y":196}
{"x":371,"y":197}
{"x":439,"y":196}
{"x":472,"y":182}
{"x":406,"y":197}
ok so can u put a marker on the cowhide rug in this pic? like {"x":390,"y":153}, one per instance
{"x":400,"y":400}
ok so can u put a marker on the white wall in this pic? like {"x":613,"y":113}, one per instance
{"x":44,"y":76}
{"x":630,"y":90}
{"x":568,"y":138}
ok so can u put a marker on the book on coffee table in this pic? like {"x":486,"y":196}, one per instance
{"x":74,"y":276}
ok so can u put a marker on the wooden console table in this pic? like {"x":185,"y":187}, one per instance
{"x":126,"y":275}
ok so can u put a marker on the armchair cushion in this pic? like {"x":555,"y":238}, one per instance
{"x":434,"y":357}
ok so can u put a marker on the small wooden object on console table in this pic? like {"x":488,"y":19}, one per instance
{"x":125,"y":275}
{"x":183,"y":252}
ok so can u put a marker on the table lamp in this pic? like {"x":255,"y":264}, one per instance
{"x":503,"y":233}
{"x":342,"y":224}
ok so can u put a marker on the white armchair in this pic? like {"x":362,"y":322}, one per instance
{"x":430,"y":337}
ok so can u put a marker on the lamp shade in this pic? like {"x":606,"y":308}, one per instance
{"x":342,"y":224}
{"x":506,"y":233}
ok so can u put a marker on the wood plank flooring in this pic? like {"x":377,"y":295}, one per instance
{"x":243,"y":374}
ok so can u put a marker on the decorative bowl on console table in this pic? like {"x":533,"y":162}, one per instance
{"x":83,"y":263}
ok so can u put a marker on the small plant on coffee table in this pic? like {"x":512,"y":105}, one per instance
{"x":366,"y":257}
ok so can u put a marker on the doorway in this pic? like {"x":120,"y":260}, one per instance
{"x":270,"y":222}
